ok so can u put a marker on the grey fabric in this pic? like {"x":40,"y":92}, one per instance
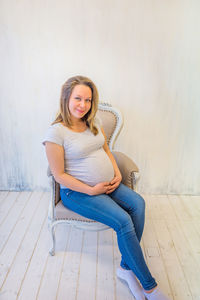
{"x":64,"y":213}
{"x":127,"y":168}
{"x":84,"y":154}
{"x":109,"y":123}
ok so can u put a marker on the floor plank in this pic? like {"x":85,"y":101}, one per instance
{"x":18,"y":270}
{"x":54,"y":264}
{"x":105,"y":278}
{"x":6,"y":204}
{"x":8,"y":224}
{"x":3,"y":195}
{"x":17,"y":236}
{"x":154,"y":258}
{"x":89,"y":266}
{"x":85,"y":263}
{"x":31,"y":284}
{"x":69,"y":280}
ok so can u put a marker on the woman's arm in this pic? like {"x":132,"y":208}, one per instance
{"x":118,"y":177}
{"x":55,"y":156}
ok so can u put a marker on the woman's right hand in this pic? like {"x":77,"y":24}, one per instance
{"x":100,"y":188}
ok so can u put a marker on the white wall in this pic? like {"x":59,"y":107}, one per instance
{"x":144,"y":57}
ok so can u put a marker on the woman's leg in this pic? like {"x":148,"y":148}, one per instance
{"x":134,"y":205}
{"x":104,"y":209}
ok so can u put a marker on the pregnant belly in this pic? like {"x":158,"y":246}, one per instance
{"x":92,"y":169}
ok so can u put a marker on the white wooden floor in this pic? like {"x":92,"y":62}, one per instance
{"x":85,"y":262}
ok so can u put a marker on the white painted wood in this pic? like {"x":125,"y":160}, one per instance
{"x":154,"y":258}
{"x":17,"y":236}
{"x":36,"y":267}
{"x":173,"y":267}
{"x":179,"y":209}
{"x":196,"y":225}
{"x":193,"y":238}
{"x":84,"y":266}
{"x":182,"y":247}
{"x":6,"y":205}
{"x":190,"y":231}
{"x":88,"y":267}
{"x":54,"y":264}
{"x":105,"y":277}
{"x":3,"y":195}
{"x":69,"y":280}
{"x":11,"y":219}
{"x":24,"y":254}
{"x":172,"y":264}
{"x":191,"y":204}
{"x":194,"y":202}
{"x":187,"y":261}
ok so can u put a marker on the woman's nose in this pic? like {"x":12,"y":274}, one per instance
{"x":82,"y":103}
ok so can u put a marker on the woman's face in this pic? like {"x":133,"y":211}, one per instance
{"x":80,"y":101}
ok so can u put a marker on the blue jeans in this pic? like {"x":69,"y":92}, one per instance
{"x":124,"y":211}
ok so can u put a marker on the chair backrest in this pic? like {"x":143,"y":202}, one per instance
{"x":112,"y":123}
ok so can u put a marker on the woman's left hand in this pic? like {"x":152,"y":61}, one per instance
{"x":114,"y":183}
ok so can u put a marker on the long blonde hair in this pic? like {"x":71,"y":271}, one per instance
{"x":64,"y":113}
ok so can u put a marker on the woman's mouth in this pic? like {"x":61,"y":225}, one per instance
{"x":80,"y":111}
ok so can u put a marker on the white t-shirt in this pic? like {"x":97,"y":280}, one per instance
{"x":85,"y":158}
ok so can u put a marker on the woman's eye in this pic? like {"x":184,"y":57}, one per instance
{"x":86,"y":100}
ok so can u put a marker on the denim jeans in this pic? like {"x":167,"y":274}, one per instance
{"x":124,"y":211}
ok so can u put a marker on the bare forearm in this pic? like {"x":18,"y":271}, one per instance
{"x":116,"y":169}
{"x":73,"y":183}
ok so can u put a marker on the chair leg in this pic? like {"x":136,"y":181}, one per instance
{"x":52,"y":229}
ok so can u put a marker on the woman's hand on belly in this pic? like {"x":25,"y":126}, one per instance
{"x":114,"y":183}
{"x":100,"y":188}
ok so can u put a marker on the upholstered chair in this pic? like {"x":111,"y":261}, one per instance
{"x":112,"y":123}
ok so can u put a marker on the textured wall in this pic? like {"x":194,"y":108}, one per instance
{"x":145,"y":59}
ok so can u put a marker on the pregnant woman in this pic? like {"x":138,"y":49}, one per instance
{"x":90,"y":181}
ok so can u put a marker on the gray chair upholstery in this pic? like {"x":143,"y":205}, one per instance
{"x":112,"y":123}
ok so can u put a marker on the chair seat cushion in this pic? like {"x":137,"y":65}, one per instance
{"x":64,"y":213}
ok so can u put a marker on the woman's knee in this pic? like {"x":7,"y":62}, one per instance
{"x":138,"y":208}
{"x":142,"y":203}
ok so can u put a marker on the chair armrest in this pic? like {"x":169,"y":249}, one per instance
{"x":127,"y":168}
{"x":55,"y":187}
